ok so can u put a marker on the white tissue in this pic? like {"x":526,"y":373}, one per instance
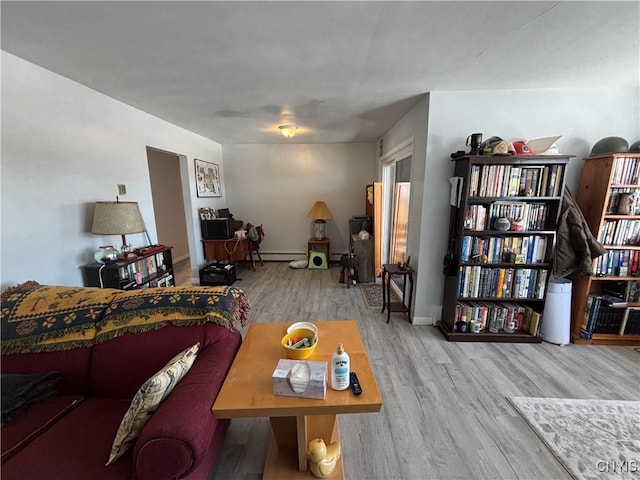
{"x":299,"y":377}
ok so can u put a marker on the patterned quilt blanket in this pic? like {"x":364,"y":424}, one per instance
{"x":36,"y":318}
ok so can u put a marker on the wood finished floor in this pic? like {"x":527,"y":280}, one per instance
{"x":445,"y":413}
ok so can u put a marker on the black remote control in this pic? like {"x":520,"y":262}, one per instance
{"x":355,"y":384}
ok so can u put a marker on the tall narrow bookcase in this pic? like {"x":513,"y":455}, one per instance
{"x":501,"y":239}
{"x":605,"y":306}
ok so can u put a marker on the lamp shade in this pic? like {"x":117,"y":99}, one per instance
{"x":117,"y":218}
{"x":319,"y":211}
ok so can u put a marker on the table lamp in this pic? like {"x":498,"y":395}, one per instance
{"x":320,"y":214}
{"x":117,"y":218}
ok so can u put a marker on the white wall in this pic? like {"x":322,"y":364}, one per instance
{"x":276,"y":185}
{"x":65,"y":147}
{"x":582,"y":117}
{"x":413,"y":127}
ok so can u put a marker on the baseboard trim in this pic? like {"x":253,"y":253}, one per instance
{"x":290,"y":256}
{"x":422,"y":321}
{"x":181,"y":258}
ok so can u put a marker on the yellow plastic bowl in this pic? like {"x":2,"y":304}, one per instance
{"x":301,"y":353}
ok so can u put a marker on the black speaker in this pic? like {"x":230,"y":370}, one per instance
{"x":217,"y":274}
{"x":318,"y":260}
{"x":357,"y":224}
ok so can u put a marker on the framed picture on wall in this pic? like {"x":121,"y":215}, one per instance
{"x":208,"y":179}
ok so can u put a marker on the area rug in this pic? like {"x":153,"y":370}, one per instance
{"x":593,"y":439}
{"x":372,"y":295}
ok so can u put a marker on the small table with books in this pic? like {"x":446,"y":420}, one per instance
{"x":248,"y":392}
{"x":148,"y":267}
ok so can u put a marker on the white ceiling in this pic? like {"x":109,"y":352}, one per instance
{"x":342,"y":71}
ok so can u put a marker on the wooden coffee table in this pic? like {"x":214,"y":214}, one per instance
{"x":248,"y":392}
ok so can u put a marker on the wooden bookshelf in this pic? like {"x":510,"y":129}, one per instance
{"x":604,"y":181}
{"x":151,"y":269}
{"x":497,"y":272}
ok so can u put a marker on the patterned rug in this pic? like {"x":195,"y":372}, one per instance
{"x":372,"y":295}
{"x":593,"y":439}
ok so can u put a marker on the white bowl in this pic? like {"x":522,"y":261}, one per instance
{"x":308,"y":325}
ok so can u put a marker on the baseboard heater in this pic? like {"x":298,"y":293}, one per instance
{"x":289,"y":256}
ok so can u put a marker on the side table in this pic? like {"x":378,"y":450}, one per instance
{"x":364,"y":250}
{"x":230,"y":250}
{"x":388,"y":271}
{"x":321,"y":247}
{"x":247,"y":392}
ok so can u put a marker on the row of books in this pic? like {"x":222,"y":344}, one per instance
{"x":514,"y":181}
{"x":618,"y":263}
{"x":475,"y":281}
{"x":619,"y":232}
{"x":632,"y":323}
{"x":527,"y":216}
{"x":601,"y":316}
{"x":165,"y":280}
{"x":625,"y":291}
{"x":497,"y":316}
{"x":512,"y":249}
{"x":618,"y":194}
{"x":143,"y":269}
{"x":626,"y":171}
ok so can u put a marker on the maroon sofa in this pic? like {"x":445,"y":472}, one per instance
{"x":69,"y":436}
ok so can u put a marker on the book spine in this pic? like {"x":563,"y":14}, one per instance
{"x":551,"y":182}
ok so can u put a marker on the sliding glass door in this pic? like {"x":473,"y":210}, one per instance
{"x":400,"y":222}
{"x":397,"y":189}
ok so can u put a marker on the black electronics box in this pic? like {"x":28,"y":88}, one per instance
{"x":217,"y":228}
{"x":359,"y":223}
{"x":217,"y":274}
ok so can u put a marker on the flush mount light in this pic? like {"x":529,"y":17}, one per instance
{"x":288,"y":130}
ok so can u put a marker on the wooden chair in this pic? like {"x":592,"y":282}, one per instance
{"x":254,"y":246}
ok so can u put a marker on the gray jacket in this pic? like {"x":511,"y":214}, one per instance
{"x":576,"y":247}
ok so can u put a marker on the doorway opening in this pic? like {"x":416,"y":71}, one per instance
{"x":169,"y":209}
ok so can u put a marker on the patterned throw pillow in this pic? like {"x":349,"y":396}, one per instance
{"x":146,"y":401}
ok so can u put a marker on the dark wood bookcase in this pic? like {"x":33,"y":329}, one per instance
{"x":497,"y":271}
{"x":151,"y":269}
{"x":608,"y":197}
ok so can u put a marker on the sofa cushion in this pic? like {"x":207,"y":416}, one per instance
{"x":118,"y":355}
{"x":164,"y":442}
{"x":33,"y":422}
{"x":73,"y":364}
{"x":149,"y":396}
{"x":75,"y":447}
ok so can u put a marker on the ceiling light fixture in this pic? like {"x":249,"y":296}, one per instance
{"x":288,"y":130}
